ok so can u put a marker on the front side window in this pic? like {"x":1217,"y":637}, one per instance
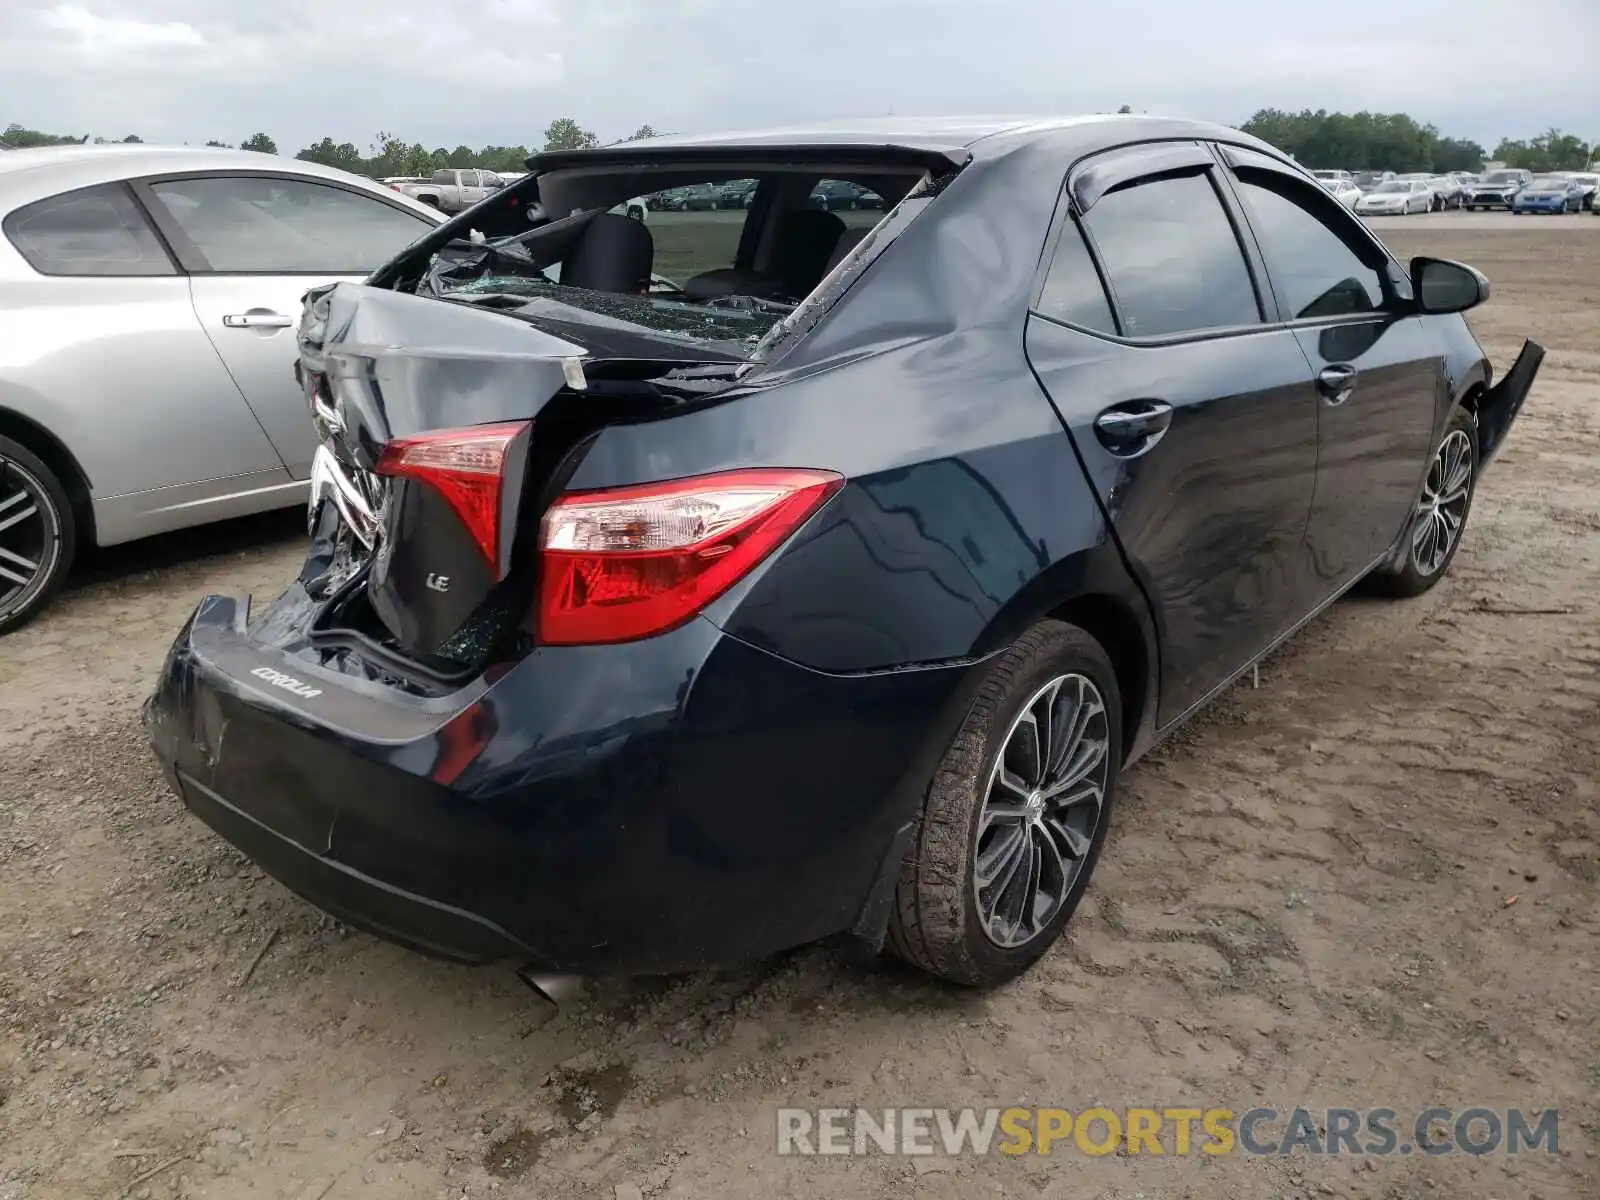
{"x":1315,"y":271}
{"x":1172,"y":258}
{"x":96,"y":231}
{"x":271,"y":224}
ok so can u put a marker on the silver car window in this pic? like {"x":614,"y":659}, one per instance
{"x":269,"y":224}
{"x":96,"y":231}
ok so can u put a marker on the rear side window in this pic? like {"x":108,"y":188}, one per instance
{"x":276,"y":225}
{"x":1172,"y":258}
{"x":1072,"y":291}
{"x":1314,"y":270}
{"x":96,"y":231}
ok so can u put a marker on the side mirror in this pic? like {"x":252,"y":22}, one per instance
{"x":1442,"y":286}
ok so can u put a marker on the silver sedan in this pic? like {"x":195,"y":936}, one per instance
{"x":148,"y":299}
{"x":1396,"y":197}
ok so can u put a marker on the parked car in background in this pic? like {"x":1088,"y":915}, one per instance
{"x":831,"y":195}
{"x":1447,"y":192}
{"x":1497,"y":189}
{"x":148,"y":297}
{"x":636,"y":207}
{"x":699,"y":197}
{"x":736,"y":193}
{"x":1396,"y":197}
{"x":1549,"y":194}
{"x":1343,"y":189}
{"x":453,"y":190}
{"x":1588,"y":184}
{"x":668,"y":651}
{"x":1333,"y":176}
{"x":1367,"y":180}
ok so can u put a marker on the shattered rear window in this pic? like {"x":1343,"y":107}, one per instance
{"x":735,"y":327}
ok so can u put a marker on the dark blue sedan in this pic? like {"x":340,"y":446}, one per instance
{"x":831,"y":586}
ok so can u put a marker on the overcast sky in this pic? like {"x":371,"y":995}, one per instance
{"x":443,"y":72}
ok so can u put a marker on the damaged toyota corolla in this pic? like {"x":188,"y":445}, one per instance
{"x":684,"y":591}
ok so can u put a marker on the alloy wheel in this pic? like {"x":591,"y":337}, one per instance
{"x":1041,"y":809}
{"x":1443,"y":506}
{"x":30,"y":537}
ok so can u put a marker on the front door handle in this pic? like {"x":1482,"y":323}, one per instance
{"x":1128,"y":430}
{"x":257,"y":318}
{"x":1337,"y":383}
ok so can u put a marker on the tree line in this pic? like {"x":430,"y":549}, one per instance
{"x":1397,"y":142}
{"x":1357,"y":141}
{"x":388,"y":154}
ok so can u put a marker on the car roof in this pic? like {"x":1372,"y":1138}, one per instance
{"x":31,"y":174}
{"x":954,"y":138}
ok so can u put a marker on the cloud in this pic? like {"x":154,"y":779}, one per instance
{"x":444,"y":72}
{"x":97,"y":35}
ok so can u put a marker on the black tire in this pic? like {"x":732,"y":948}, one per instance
{"x":1411,"y":577}
{"x":52,"y":534}
{"x":935,"y":924}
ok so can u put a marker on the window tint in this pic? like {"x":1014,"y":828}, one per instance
{"x":1313,"y":271}
{"x":1073,"y":291}
{"x":262,"y":223}
{"x":1172,"y":257}
{"x":97,"y":231}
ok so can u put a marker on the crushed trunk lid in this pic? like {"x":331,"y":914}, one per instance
{"x":424,"y":555}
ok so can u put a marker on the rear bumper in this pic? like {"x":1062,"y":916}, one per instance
{"x":655,"y":806}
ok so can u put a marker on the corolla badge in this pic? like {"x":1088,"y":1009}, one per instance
{"x":287,"y":682}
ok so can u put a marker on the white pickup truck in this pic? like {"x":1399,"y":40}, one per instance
{"x":454,"y":189}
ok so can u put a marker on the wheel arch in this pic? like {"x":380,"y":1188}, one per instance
{"x":53,"y":452}
{"x":1095,"y":591}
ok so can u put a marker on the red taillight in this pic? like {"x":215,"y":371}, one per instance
{"x":627,"y":563}
{"x":465,"y":466}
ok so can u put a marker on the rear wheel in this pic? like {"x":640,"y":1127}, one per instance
{"x":37,"y":535}
{"x":1434,"y":533}
{"x":1016,"y":816}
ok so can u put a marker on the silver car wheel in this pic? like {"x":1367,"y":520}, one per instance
{"x":1041,"y":808}
{"x":30,"y":538}
{"x":1443,"y":506}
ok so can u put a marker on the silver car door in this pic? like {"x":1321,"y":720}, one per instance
{"x":253,"y":244}
{"x":102,"y":348}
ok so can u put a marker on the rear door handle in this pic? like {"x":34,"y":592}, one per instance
{"x":257,"y":319}
{"x":1337,"y":383}
{"x":1131,"y":429}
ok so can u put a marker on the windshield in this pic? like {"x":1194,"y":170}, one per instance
{"x":1501,"y":177}
{"x":1392,"y":185}
{"x":1586,"y":180}
{"x":1549,"y":183}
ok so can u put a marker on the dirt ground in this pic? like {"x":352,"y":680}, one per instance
{"x":1372,"y":881}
